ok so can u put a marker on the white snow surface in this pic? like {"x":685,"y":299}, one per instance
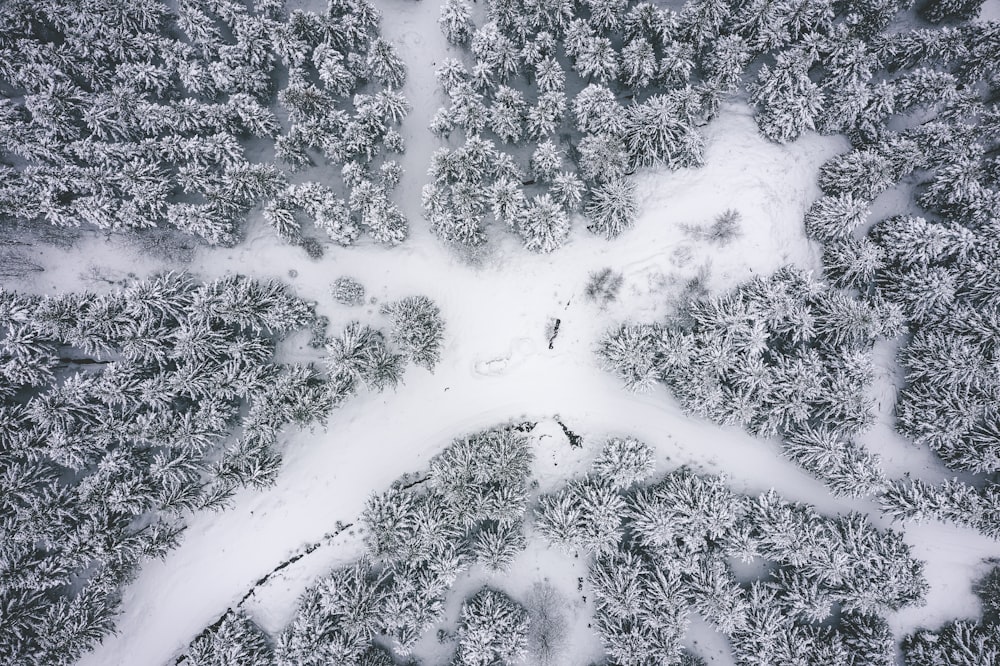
{"x":496,"y":366}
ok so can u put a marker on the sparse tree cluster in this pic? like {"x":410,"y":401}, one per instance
{"x":780,"y":356}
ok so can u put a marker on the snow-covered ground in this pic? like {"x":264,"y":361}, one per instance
{"x":496,"y":366}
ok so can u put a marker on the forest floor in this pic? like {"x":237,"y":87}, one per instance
{"x":496,"y":366}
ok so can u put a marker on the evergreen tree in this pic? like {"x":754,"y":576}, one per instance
{"x":624,"y":462}
{"x":544,"y":225}
{"x":417,"y":329}
{"x":612,"y":208}
{"x":937,"y":11}
{"x":492,"y":629}
{"x":456,"y":21}
{"x":788,"y":100}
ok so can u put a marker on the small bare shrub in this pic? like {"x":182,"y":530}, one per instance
{"x":603,"y":286}
{"x":348,"y":291}
{"x":548,"y":629}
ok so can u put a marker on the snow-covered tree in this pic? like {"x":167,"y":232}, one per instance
{"x":384,"y":64}
{"x":543,"y":224}
{"x":546,"y":161}
{"x":611,"y":207}
{"x":835,"y":217}
{"x":788,"y":100}
{"x":417,"y":329}
{"x":361,"y":354}
{"x":937,"y":11}
{"x":234,"y":641}
{"x":624,"y":461}
{"x":492,"y":630}
{"x":456,"y":21}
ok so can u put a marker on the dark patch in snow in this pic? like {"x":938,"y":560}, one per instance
{"x":555,"y":332}
{"x":524,"y":426}
{"x":263,"y":579}
{"x":574,"y":439}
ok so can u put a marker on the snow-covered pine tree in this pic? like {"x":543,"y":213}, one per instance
{"x":456,"y":21}
{"x":543,"y":225}
{"x":835,"y":217}
{"x":417,"y":329}
{"x":611,"y":207}
{"x":937,"y":11}
{"x":546,"y":161}
{"x":492,"y":630}
{"x":787,"y":99}
{"x":236,"y":639}
{"x":624,"y":462}
{"x":384,"y":64}
{"x":361,"y":354}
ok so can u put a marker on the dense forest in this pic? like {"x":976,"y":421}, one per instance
{"x":125,"y":409}
{"x":130,"y":116}
{"x":660,"y":550}
{"x":122,"y":413}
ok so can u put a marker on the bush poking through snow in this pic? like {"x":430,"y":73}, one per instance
{"x":624,"y":462}
{"x":492,"y":630}
{"x":417,"y":329}
{"x":348,"y":291}
{"x":603,"y":286}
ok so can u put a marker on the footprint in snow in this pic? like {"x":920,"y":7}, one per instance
{"x":519,"y":350}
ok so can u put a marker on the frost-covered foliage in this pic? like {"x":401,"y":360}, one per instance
{"x":625,"y":461}
{"x":360,"y":354}
{"x":611,"y":207}
{"x":962,"y":642}
{"x":547,"y":88}
{"x":417,"y":329}
{"x":234,"y":641}
{"x":923,"y":119}
{"x":121,"y":413}
{"x":492,"y":630}
{"x":470,"y":510}
{"x":663,"y":553}
{"x":951,"y":501}
{"x":782,"y":355}
{"x":348,"y":291}
{"x":421,"y":536}
{"x":134,"y":115}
